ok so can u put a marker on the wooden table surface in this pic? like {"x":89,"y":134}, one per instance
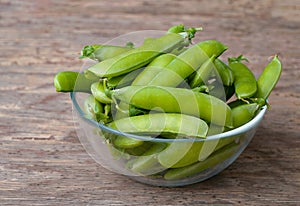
{"x":41,"y":159}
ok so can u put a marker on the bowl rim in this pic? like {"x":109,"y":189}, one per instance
{"x":244,"y":128}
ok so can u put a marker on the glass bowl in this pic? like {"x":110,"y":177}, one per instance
{"x":162,"y":166}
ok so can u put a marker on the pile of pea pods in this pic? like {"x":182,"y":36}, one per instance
{"x":169,"y":87}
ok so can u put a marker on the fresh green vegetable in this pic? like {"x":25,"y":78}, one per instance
{"x":123,"y":80}
{"x":225,"y":72}
{"x":268,"y":79}
{"x":103,"y":52}
{"x":203,"y":73}
{"x":153,"y":69}
{"x":178,"y":97}
{"x":177,"y":100}
{"x":147,"y":163}
{"x":242,"y":114}
{"x":68,"y":81}
{"x":93,"y":108}
{"x":186,"y":63}
{"x":98,"y":90}
{"x":190,"y":170}
{"x":126,"y":142}
{"x":244,"y":80}
{"x":139,"y":57}
{"x":167,"y":124}
{"x":181,"y":154}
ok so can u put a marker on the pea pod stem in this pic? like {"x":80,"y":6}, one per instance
{"x":188,"y":33}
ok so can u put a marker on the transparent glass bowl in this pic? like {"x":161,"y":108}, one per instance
{"x":216,"y":152}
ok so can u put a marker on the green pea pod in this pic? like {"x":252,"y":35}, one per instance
{"x":181,"y":154}
{"x":156,"y":124}
{"x":176,"y":100}
{"x":177,"y":29}
{"x":242,"y":114}
{"x":153,"y":68}
{"x":93,"y":108}
{"x":138,"y":57}
{"x":121,"y":110}
{"x":186,"y":63}
{"x":208,"y":75}
{"x":90,"y":75}
{"x":191,"y":170}
{"x":139,"y":150}
{"x":162,"y":123}
{"x":225,"y":72}
{"x":123,"y":80}
{"x":269,"y":78}
{"x":214,"y":129}
{"x":103,"y":52}
{"x":127,"y":142}
{"x":203,"y":73}
{"x":147,"y":163}
{"x":68,"y":81}
{"x":211,"y":146}
{"x":98,"y":91}
{"x":244,"y":80}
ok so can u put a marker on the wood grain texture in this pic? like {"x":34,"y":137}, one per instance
{"x":43,"y":163}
